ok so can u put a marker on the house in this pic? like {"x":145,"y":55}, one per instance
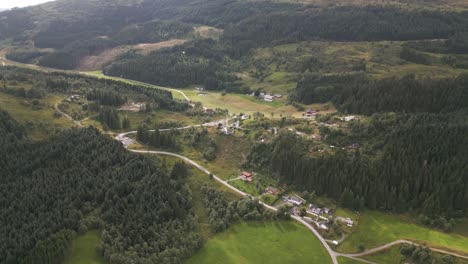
{"x":335,"y":243}
{"x":293,"y":200}
{"x":269,"y":98}
{"x":310,"y":113}
{"x":326,"y":210}
{"x":314,"y":210}
{"x":245,"y":117}
{"x":75,"y":97}
{"x":272,"y":191}
{"x":349,"y":222}
{"x":278,"y":96}
{"x":227,"y":131}
{"x":247,"y":176}
{"x":349,"y":118}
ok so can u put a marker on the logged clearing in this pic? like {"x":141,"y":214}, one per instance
{"x":208,"y":32}
{"x":99,"y":61}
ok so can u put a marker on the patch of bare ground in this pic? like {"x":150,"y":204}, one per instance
{"x":97,"y":62}
{"x":207,"y":32}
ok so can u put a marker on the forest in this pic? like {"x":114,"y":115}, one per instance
{"x":80,"y":180}
{"x":410,"y":163}
{"x":200,"y":62}
{"x":361,"y":95}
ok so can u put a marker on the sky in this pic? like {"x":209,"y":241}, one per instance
{"x":20,"y":3}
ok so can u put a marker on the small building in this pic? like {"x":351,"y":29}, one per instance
{"x":245,"y":117}
{"x":349,"y":118}
{"x":310,"y":113}
{"x":75,"y":97}
{"x":271,"y":190}
{"x":278,"y":96}
{"x":269,"y":98}
{"x":349,"y":222}
{"x":293,"y":200}
{"x":335,"y":243}
{"x":247,"y":176}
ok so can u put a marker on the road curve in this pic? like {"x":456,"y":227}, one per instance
{"x":333,"y":254}
{"x":78,"y":123}
{"x":394,"y":243}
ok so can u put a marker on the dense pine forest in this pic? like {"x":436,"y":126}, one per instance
{"x":81,"y":180}
{"x":412,"y":162}
{"x":358,"y":94}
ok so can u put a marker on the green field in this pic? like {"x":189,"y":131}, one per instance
{"x":376,"y":228}
{"x":83,"y":250}
{"x":255,"y":242}
{"x":39,"y":123}
{"x":343,"y":260}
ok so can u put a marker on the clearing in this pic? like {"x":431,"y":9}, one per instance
{"x":83,"y":249}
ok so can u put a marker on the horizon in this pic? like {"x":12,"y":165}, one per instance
{"x":8,"y":4}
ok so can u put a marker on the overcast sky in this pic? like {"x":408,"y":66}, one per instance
{"x":20,"y":3}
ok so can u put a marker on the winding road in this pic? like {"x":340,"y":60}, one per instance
{"x":333,"y":255}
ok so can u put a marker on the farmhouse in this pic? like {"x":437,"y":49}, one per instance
{"x":272,"y":191}
{"x":310,"y":113}
{"x":293,"y":200}
{"x":269,"y":98}
{"x":246,"y":176}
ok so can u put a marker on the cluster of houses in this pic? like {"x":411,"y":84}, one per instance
{"x":133,"y":107}
{"x":320,"y":212}
{"x":268,"y":97}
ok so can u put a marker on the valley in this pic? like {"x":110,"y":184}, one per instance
{"x":203,"y":131}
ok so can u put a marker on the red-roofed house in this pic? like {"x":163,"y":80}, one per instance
{"x":247,"y":176}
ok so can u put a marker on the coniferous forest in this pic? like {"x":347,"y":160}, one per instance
{"x":79,"y":180}
{"x":415,"y":162}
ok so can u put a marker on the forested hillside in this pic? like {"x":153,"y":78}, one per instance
{"x":80,"y":180}
{"x":357,"y":94}
{"x":411,"y":162}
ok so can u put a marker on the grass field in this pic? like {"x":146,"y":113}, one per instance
{"x":343,"y":260}
{"x":378,"y":228}
{"x":83,"y":250}
{"x":393,"y":256}
{"x":256,"y":242}
{"x":38,"y":123}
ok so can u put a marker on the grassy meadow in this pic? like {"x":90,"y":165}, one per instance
{"x":259,"y":242}
{"x":377,"y":228}
{"x":39,"y":122}
{"x":83,"y":249}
